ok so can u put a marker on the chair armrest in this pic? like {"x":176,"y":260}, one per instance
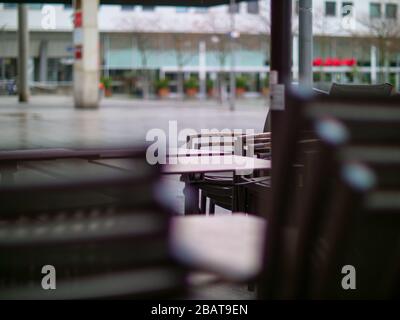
{"x":251,"y":181}
{"x":189,"y":139}
{"x":254,"y":138}
{"x":263,"y":135}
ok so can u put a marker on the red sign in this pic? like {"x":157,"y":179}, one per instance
{"x":334,"y":62}
{"x":78,"y":52}
{"x":78,"y":19}
{"x":318,"y":62}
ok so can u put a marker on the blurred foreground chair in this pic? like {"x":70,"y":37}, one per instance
{"x":378,"y":90}
{"x":10,"y":160}
{"x":346,"y":213}
{"x":333,"y":220}
{"x":113,"y":249}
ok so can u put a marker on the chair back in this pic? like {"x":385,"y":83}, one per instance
{"x":360,"y":231}
{"x":99,"y":249}
{"x":378,"y":90}
{"x":292,"y":247}
{"x":345,"y":140}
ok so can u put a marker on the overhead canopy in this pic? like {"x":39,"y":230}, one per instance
{"x":185,"y":3}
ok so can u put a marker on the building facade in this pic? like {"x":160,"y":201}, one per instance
{"x":354,"y":42}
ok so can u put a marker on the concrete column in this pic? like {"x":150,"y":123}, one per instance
{"x":296,"y":59}
{"x":3,"y":69}
{"x":86,"y":66}
{"x":202,"y":69}
{"x":305,"y":44}
{"x":43,"y":61}
{"x":397,"y":72}
{"x":374,"y":76}
{"x":23,"y":53}
{"x":232,"y":73}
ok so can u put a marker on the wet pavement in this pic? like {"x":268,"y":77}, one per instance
{"x":52,"y":121}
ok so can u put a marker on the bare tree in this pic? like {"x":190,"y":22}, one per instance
{"x":383,"y":32}
{"x":218,"y":32}
{"x":385,"y":35}
{"x":143,"y":45}
{"x":142,"y":41}
{"x":222,"y":47}
{"x":183,"y":46}
{"x":2,"y":34}
{"x":264,"y":18}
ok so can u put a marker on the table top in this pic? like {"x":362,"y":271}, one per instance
{"x":229,"y":245}
{"x":63,"y":153}
{"x":32,"y":154}
{"x":226,"y":163}
{"x":184,"y":152}
{"x":203,"y":164}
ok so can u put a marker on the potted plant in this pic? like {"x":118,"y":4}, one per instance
{"x":191,"y":87}
{"x":162,"y":86}
{"x":241,"y":85}
{"x":210,"y":87}
{"x":317,"y":76}
{"x":107,"y":85}
{"x":265,"y":86}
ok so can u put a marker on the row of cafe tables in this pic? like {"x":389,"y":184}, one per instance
{"x":185,"y":162}
{"x":179,"y":163}
{"x":234,"y":234}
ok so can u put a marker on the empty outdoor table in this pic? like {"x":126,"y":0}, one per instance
{"x":194,"y":164}
{"x":62,"y":153}
{"x":188,"y":166}
{"x":32,"y":154}
{"x":10,"y":159}
{"x":225,"y":163}
{"x":230,"y":246}
{"x":184,"y":152}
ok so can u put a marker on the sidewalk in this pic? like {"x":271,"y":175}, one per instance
{"x":52,"y":121}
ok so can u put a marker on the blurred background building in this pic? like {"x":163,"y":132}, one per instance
{"x":145,"y":49}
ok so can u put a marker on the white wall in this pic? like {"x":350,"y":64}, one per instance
{"x":166,"y":19}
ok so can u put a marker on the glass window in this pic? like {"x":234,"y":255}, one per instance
{"x":148,"y":8}
{"x":346,"y":8}
{"x":10,"y":6}
{"x":67,"y":6}
{"x":330,"y":8}
{"x":35,"y":6}
{"x":253,"y":7}
{"x":233,"y":8}
{"x":201,"y":10}
{"x":375,"y":10}
{"x":127,"y":7}
{"x":182,"y":9}
{"x":297,"y":7}
{"x":391,"y":11}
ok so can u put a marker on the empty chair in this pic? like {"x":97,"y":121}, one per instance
{"x":360,"y":232}
{"x":348,"y":133}
{"x":113,"y":249}
{"x":219,"y":187}
{"x":378,"y":90}
{"x":226,"y":191}
{"x":74,"y":172}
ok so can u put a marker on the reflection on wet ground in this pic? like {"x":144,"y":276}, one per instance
{"x":51,"y":121}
